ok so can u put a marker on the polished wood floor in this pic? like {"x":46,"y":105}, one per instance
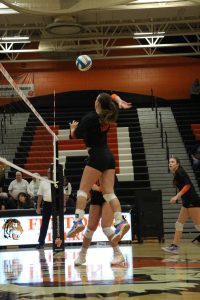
{"x":148,"y":273}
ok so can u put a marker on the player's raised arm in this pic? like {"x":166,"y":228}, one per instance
{"x":121,"y":103}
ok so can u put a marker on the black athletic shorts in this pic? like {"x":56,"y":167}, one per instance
{"x":190,"y":204}
{"x":97,"y":198}
{"x":101,"y":159}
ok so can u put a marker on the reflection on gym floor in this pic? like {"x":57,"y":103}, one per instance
{"x":148,"y":273}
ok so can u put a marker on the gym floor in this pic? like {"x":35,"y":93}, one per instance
{"x":148,"y":273}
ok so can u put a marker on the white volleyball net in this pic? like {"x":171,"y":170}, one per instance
{"x":29,"y":144}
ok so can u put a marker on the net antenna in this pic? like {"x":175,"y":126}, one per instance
{"x":55,"y":139}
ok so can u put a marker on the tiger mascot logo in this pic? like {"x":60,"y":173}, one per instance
{"x":12,"y":229}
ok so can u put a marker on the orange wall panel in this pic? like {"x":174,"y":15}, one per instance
{"x":169,"y":77}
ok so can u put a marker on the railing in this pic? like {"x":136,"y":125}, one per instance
{"x":2,"y":131}
{"x":5,"y":118}
{"x":167,"y":148}
{"x":3,"y":126}
{"x":4,"y":121}
{"x":163,"y":134}
{"x":156,"y":108}
{"x":161,"y":130}
{"x":152,"y":100}
{"x":154,"y":105}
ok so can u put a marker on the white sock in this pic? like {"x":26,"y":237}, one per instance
{"x":118,"y":217}
{"x":83,"y":251}
{"x":116,"y":250}
{"x":79,"y":214}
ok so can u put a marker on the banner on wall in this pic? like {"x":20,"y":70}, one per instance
{"x":24,"y":82}
{"x":24,"y":230}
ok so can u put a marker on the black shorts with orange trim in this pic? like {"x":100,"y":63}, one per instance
{"x":101,"y":159}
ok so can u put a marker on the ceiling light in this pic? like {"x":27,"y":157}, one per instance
{"x":64,"y":26}
{"x":146,"y":35}
{"x":15,"y":42}
{"x":14,"y":38}
{"x":4,"y":10}
{"x":151,"y":2}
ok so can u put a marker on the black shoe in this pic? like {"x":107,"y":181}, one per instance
{"x":197,"y":238}
{"x":39,"y":247}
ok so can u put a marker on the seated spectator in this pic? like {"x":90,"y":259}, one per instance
{"x":67,"y":192}
{"x":19,"y":185}
{"x":3,"y":195}
{"x":3,"y":199}
{"x":195,"y":156}
{"x":34,"y":186}
{"x":2,"y":173}
{"x":24,"y":201}
{"x":195,"y":90}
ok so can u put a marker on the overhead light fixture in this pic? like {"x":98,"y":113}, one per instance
{"x":157,"y":3}
{"x":4,"y":10}
{"x":64,"y":25}
{"x":14,"y":38}
{"x":146,"y":35}
{"x":151,"y":2}
{"x":149,"y":33}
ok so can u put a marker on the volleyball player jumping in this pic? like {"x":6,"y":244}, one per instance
{"x":93,"y":128}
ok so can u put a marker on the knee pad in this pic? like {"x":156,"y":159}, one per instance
{"x":179,"y":226}
{"x":109,"y":197}
{"x":108,"y":231}
{"x":81,"y":193}
{"x":197,"y":226}
{"x":88,"y":233}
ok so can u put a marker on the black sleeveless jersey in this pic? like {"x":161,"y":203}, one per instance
{"x":90,"y":129}
{"x":190,"y":198}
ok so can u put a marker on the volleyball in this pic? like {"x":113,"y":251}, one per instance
{"x":83,"y":62}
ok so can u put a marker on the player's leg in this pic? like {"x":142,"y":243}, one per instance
{"x":46,"y":215}
{"x":182,"y":218}
{"x":121,"y":225}
{"x":106,"y":224}
{"x":194,"y":213}
{"x":93,"y":221}
{"x":89,"y":177}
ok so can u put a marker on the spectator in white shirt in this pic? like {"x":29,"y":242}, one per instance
{"x":18,"y":185}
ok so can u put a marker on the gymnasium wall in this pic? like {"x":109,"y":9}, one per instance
{"x":169,"y":77}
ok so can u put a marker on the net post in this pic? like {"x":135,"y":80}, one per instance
{"x":58,"y":207}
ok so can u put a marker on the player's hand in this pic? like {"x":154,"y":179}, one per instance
{"x":95,"y":187}
{"x":38,"y":210}
{"x":124,"y":105}
{"x":73,"y":125}
{"x":58,"y":242}
{"x":174,"y":200}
